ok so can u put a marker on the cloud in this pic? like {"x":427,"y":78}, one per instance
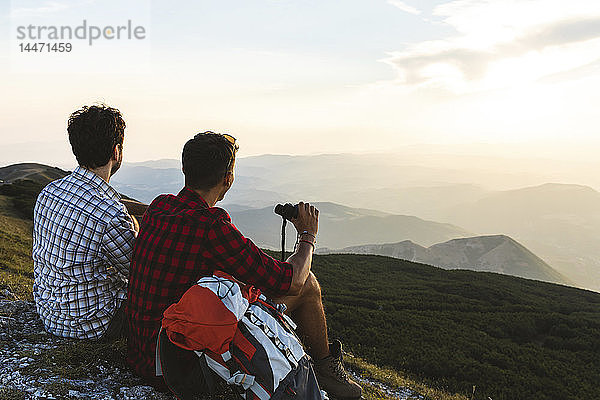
{"x":530,"y":39}
{"x":47,"y":7}
{"x":563,"y":32}
{"x":34,"y":8}
{"x":404,"y":7}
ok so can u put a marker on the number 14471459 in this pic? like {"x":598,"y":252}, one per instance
{"x":40,"y":47}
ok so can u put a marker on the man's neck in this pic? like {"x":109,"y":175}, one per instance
{"x":103,"y":171}
{"x":210,"y":196}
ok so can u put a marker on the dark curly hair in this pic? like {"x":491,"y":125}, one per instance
{"x":206,"y":159}
{"x":94,"y":132}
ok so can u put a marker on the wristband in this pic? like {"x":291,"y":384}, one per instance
{"x":307,"y":241}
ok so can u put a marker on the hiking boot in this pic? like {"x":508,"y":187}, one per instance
{"x":332,"y":376}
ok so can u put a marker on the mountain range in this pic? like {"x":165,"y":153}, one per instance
{"x":558,"y":222}
{"x":497,"y":253}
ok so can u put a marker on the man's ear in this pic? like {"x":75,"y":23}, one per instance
{"x":116,"y":152}
{"x":229,"y":179}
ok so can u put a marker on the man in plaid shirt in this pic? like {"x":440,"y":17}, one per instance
{"x":185,"y":237}
{"x":83,"y":235}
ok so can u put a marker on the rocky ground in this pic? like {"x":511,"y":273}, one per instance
{"x":37,"y":365}
{"x":32,"y":363}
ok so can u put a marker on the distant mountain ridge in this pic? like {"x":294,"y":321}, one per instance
{"x":550,"y":199}
{"x":495,"y":253}
{"x":342,"y":226}
{"x":560,"y":222}
{"x":366,"y":181}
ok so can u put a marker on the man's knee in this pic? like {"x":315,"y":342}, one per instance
{"x":309,"y":293}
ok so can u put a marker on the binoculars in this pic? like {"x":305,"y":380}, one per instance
{"x":287,"y":210}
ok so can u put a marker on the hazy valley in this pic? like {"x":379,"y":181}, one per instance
{"x":378,"y":199}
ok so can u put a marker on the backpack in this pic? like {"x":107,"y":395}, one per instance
{"x":220,"y":330}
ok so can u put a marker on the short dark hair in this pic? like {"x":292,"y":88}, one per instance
{"x":206,"y":159}
{"x":94,"y":132}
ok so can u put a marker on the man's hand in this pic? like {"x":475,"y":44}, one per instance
{"x":136,"y":224}
{"x":307,"y":220}
{"x":301,"y":259}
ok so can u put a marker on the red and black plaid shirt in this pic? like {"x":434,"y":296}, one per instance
{"x":181,"y":239}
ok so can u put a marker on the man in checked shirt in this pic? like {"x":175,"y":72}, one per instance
{"x":83,"y":234}
{"x":184,"y":237}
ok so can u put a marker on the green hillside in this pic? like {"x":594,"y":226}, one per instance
{"x":39,"y":173}
{"x":510,"y":337}
{"x":20,"y":197}
{"x":17,"y":200}
{"x":16,"y":266}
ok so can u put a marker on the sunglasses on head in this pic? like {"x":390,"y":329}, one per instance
{"x":231,"y":140}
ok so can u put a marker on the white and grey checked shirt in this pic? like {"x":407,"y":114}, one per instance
{"x":82,"y":244}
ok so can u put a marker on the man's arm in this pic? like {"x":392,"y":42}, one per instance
{"x":117,"y":242}
{"x":307,"y":221}
{"x":134,"y":207}
{"x":232,"y":252}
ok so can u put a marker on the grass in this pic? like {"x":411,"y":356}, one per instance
{"x":78,"y":359}
{"x":16,"y":265}
{"x":393,"y":379}
{"x":11,"y":394}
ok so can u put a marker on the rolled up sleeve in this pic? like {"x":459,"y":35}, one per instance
{"x":117,"y":243}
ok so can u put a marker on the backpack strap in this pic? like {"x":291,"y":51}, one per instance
{"x":157,"y":365}
{"x":293,"y":357}
{"x":208,"y":376}
{"x":219,"y":369}
{"x":239,"y":379}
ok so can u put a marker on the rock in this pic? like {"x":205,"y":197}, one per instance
{"x":139,"y":392}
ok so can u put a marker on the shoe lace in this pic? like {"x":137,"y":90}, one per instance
{"x":338,"y":369}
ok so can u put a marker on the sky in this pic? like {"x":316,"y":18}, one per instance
{"x":310,"y":77}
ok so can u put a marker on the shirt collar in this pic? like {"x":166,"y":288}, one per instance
{"x":190,"y":196}
{"x":95,"y":180}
